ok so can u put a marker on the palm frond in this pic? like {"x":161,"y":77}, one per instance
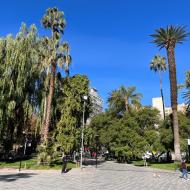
{"x":158,"y":63}
{"x":169,"y":36}
{"x":186,"y":96}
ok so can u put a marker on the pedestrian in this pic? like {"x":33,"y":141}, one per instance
{"x":64,"y":163}
{"x":184,"y":170}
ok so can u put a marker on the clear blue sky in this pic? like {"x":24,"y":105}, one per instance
{"x":109,"y":39}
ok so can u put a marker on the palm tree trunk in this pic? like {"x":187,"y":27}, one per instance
{"x":49,"y":103}
{"x":163,"y":103}
{"x":45,"y":109}
{"x":173,"y":95}
{"x":44,"y":117}
{"x":162,"y":96}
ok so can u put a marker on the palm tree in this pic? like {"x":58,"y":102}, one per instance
{"x":115,"y":101}
{"x":158,"y":64}
{"x":168,"y":38}
{"x":55,"y":54}
{"x":124,"y":98}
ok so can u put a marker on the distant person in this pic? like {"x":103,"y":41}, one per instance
{"x":64,"y":163}
{"x":145,"y":160}
{"x":94,"y":154}
{"x":184,"y":170}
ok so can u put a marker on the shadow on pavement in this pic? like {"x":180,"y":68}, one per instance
{"x":14,"y":177}
{"x":92,"y":162}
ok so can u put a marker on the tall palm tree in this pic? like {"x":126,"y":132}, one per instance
{"x":158,"y":64}
{"x":56,"y":54}
{"x":124,"y":98}
{"x":168,"y":38}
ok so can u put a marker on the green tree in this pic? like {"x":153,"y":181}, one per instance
{"x":20,"y":83}
{"x":168,"y":38}
{"x":56,"y":54}
{"x":128,"y":137}
{"x":154,"y":141}
{"x":70,"y":108}
{"x":158,"y":64}
{"x":147,"y":118}
{"x":166,"y":132}
{"x":100,"y":125}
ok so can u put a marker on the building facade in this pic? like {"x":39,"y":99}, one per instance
{"x":97,"y":103}
{"x":157,"y":103}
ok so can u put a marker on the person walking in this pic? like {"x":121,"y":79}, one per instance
{"x":184,"y":170}
{"x":64,"y":163}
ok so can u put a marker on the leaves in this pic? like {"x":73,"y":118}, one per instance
{"x":53,"y":19}
{"x":129,"y":136}
{"x":124,"y":99}
{"x":158,"y":63}
{"x":169,"y":36}
{"x":70,"y":106}
{"x":20,"y":70}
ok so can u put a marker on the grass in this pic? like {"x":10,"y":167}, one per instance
{"x":164,"y":166}
{"x":32,"y":164}
{"x":139,"y":163}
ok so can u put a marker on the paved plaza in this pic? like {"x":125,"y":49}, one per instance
{"x":108,"y":176}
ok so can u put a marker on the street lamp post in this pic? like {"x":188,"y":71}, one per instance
{"x":82,"y":132}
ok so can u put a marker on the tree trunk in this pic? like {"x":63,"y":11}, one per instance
{"x":44,"y":117}
{"x":45,"y":109}
{"x":49,"y":103}
{"x":162,"y":96}
{"x":163,"y":103}
{"x":173,"y":95}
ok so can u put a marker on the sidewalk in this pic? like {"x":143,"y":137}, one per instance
{"x":108,"y":176}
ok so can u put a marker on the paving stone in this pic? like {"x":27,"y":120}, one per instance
{"x":108,"y":176}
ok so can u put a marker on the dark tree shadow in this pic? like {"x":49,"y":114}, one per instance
{"x":14,"y":177}
{"x":92,"y":162}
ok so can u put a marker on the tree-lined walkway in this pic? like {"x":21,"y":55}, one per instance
{"x":108,"y":176}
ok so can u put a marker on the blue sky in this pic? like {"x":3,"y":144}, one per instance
{"x":109,"y":39}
